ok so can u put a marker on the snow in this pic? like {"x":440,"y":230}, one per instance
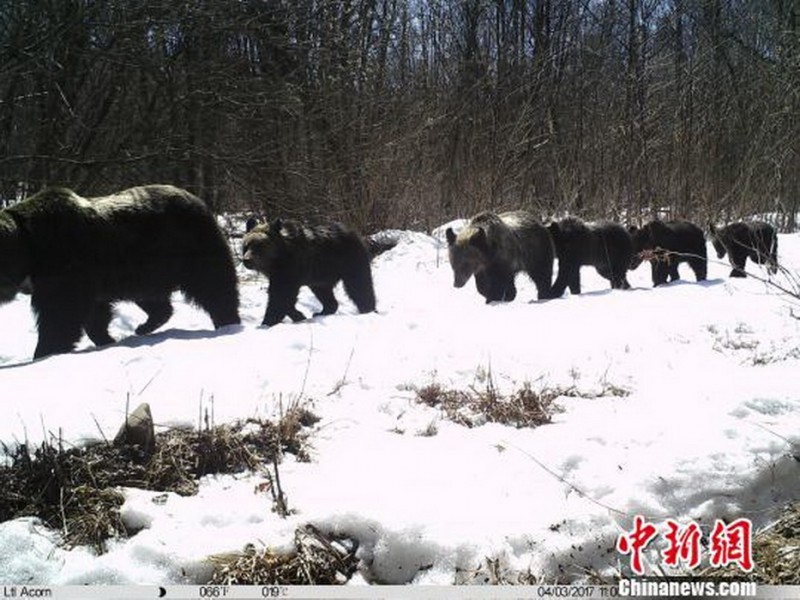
{"x":706,"y":429}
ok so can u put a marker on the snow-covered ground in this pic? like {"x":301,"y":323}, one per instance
{"x":707,"y":430}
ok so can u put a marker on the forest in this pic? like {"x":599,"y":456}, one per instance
{"x":406,"y":113}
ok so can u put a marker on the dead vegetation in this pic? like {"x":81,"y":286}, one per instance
{"x":525,"y":407}
{"x":776,"y":553}
{"x":317,"y":559}
{"x":473,"y":407}
{"x":75,"y":490}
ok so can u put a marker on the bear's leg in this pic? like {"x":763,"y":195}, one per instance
{"x":358,"y":285}
{"x":700,"y":267}
{"x":773,"y":258}
{"x":483,"y":284}
{"x":772,"y":242}
{"x":158,"y":312}
{"x":494,"y":287}
{"x":738,"y":258}
{"x":607,"y":273}
{"x":503,"y":288}
{"x":324,"y":294}
{"x":96,"y":325}
{"x":575,"y":281}
{"x":60,"y":316}
{"x":295,"y":315}
{"x":619,"y":279}
{"x":496,"y":284}
{"x":510,"y":290}
{"x":560,"y":284}
{"x":674,"y":275}
{"x":282,"y":300}
{"x":212,"y":286}
{"x":544,"y":288}
{"x":659,"y":271}
{"x":542,"y":277}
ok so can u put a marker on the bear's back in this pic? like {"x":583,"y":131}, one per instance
{"x":150,"y":199}
{"x":155,"y":230}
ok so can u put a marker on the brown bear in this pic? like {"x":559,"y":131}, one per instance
{"x":756,"y":241}
{"x":495,"y":247}
{"x":670,"y":243}
{"x":77,"y":256}
{"x":292,"y":255}
{"x":606,"y":246}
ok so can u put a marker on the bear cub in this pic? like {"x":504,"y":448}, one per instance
{"x":674,"y":242}
{"x":292,"y":255}
{"x":605,"y":246}
{"x":756,"y":240}
{"x":495,"y":247}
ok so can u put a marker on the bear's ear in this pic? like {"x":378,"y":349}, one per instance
{"x":478,"y":239}
{"x":632,"y":229}
{"x":451,"y":236}
{"x":275,"y":227}
{"x":252,"y":222}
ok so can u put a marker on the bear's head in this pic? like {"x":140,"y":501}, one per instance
{"x":14,"y":260}
{"x":571,"y":239}
{"x":717,"y":240}
{"x":468,"y":252}
{"x":262,"y":245}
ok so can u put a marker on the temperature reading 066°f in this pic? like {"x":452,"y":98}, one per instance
{"x":214,"y":591}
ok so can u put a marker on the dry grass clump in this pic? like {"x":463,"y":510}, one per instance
{"x":74,"y":490}
{"x":316,"y":560}
{"x":182,"y":456}
{"x":473,"y":407}
{"x":776,"y":553}
{"x":70,"y":490}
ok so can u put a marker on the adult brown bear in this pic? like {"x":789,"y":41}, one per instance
{"x":77,"y":256}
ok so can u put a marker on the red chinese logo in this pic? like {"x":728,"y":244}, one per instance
{"x":633,"y":544}
{"x":730,"y":543}
{"x":683,"y":544}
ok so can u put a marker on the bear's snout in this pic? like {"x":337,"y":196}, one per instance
{"x":459,"y":281}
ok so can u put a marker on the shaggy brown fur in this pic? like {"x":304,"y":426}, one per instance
{"x":78,"y":256}
{"x":495,"y":247}
{"x":674,"y":242}
{"x":292,"y":255}
{"x":605,"y":246}
{"x":756,"y":241}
